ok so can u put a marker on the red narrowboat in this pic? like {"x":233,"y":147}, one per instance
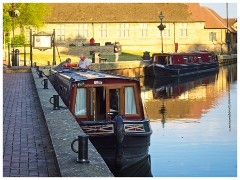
{"x":171,"y":65}
{"x":109,"y":110}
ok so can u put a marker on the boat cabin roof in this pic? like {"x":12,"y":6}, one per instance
{"x":183,"y":53}
{"x":84,"y":75}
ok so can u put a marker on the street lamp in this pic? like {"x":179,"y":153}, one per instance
{"x":13,"y":13}
{"x":161,"y":27}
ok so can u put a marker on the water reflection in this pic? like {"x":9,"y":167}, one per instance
{"x":194,"y":125}
{"x":185,"y":99}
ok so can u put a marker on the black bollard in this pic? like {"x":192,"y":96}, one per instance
{"x":82,"y":149}
{"x":55,"y":102}
{"x":40,"y":74}
{"x":44,"y":82}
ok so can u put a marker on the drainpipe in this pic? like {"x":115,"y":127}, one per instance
{"x":93,"y":30}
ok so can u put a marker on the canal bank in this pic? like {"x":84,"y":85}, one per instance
{"x":26,"y":152}
{"x":227,"y":59}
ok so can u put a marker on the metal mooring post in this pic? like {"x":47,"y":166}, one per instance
{"x":82,"y":148}
{"x":40,"y":74}
{"x":44,"y":82}
{"x":55,"y":102}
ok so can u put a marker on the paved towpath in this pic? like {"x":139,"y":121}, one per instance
{"x":27,"y":147}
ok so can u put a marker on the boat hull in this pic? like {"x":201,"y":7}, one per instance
{"x":171,"y":71}
{"x":121,"y":143}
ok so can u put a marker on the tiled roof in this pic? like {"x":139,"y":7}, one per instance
{"x":214,"y":21}
{"x":124,"y":12}
{"x":135,"y":12}
{"x":232,"y":23}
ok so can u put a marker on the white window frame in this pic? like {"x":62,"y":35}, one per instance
{"x":212,"y":36}
{"x":144,"y":29}
{"x":166,"y":31}
{"x":82,"y":31}
{"x":123,"y":30}
{"x":183,"y":29}
{"x":103,"y":30}
{"x":60,"y":33}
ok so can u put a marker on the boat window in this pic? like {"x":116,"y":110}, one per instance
{"x":170,"y":60}
{"x":130,"y":102}
{"x":209,"y":58}
{"x":185,"y":58}
{"x":114,"y":100}
{"x":199,"y":59}
{"x":161,"y":60}
{"x":80,"y":106}
{"x":191,"y":59}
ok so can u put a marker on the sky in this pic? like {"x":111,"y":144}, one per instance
{"x":221,"y":9}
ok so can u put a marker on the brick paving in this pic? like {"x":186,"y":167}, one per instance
{"x":27,"y":148}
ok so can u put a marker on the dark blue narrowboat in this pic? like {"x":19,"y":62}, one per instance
{"x":171,"y":65}
{"x":109,"y":109}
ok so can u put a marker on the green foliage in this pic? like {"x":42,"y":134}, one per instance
{"x":31,"y":14}
{"x":19,"y":40}
{"x":7,"y":23}
{"x":7,"y":39}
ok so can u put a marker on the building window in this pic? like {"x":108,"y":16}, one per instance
{"x":103,"y":30}
{"x":212,"y":36}
{"x":123,"y":30}
{"x":143,"y":29}
{"x":82,"y":31}
{"x":60,"y":32}
{"x":166,"y":31}
{"x":183,"y":29}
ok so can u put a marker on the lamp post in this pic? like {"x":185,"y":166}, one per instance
{"x":13,"y":13}
{"x":228,"y":40}
{"x":161,"y":27}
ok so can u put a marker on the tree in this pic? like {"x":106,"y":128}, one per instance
{"x":31,"y":15}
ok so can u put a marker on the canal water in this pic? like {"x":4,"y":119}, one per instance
{"x":194,"y":124}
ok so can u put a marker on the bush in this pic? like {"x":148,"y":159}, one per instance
{"x":19,"y":40}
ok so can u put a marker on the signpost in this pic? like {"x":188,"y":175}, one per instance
{"x":44,"y":41}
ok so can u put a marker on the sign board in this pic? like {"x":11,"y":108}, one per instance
{"x":42,"y":41}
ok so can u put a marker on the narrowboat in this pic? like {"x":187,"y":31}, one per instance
{"x":109,"y":110}
{"x":165,"y":65}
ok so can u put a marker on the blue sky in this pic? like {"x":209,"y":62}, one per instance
{"x":220,"y":8}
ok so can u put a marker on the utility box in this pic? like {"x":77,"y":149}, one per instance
{"x":96,"y":57}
